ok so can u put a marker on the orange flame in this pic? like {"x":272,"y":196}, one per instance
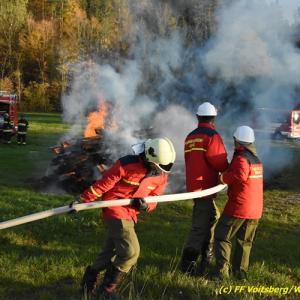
{"x":96,"y":120}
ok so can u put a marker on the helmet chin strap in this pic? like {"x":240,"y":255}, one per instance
{"x":152,"y":168}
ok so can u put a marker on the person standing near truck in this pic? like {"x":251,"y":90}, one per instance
{"x":7,"y":129}
{"x":1,"y":125}
{"x":22,"y":130}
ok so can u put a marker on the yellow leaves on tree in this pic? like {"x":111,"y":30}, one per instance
{"x":38,"y":42}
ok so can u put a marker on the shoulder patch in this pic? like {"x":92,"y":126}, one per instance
{"x":129,"y":159}
{"x":252,"y":159}
{"x":204,"y":130}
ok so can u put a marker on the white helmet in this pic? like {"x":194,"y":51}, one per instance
{"x":244,"y":134}
{"x":161,"y":152}
{"x":206,"y":109}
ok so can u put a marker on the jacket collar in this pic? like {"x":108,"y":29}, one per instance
{"x":207,"y":125}
{"x":251,"y":148}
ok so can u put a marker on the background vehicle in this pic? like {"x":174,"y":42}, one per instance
{"x":277,"y":123}
{"x":290,"y":128}
{"x":8,"y":104}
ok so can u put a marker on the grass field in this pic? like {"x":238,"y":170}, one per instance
{"x":46,"y":259}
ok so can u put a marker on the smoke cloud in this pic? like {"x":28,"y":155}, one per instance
{"x":250,"y":61}
{"x":254,"y":50}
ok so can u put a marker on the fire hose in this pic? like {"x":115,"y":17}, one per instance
{"x":108,"y":203}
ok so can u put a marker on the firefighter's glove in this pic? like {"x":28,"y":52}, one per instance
{"x":73,"y":203}
{"x":88,"y":196}
{"x":139,"y":204}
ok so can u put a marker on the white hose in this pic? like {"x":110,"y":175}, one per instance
{"x":108,"y":203}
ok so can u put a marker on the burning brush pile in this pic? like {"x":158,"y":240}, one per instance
{"x":80,"y":161}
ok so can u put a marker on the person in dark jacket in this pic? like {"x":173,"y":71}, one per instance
{"x":205,"y":156}
{"x":132,"y":176}
{"x":243,"y":209}
{"x":7,"y":129}
{"x":1,"y":125}
{"x":22,"y":130}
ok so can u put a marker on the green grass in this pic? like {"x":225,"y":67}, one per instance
{"x":46,"y":259}
{"x":21,"y":165}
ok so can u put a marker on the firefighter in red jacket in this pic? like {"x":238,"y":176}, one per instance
{"x":244,"y":207}
{"x":205,"y":157}
{"x":132,"y":176}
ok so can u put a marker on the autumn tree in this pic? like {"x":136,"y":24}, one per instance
{"x":41,"y":40}
{"x":13,"y":18}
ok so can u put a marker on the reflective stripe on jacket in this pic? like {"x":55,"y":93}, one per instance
{"x":7,"y":126}
{"x":245,"y":186}
{"x":22,"y":126}
{"x":127,"y":178}
{"x":205,"y":156}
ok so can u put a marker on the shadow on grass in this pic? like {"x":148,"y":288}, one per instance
{"x":78,"y":238}
{"x":62,"y":289}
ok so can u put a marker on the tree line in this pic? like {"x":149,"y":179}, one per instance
{"x":40,"y":40}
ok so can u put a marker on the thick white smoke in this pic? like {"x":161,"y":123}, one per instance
{"x":250,"y":61}
{"x":255,"y":50}
{"x":254,"y":41}
{"x":133,"y":110}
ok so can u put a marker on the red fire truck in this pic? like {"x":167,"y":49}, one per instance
{"x":8,"y":104}
{"x":290,"y":128}
{"x":277,"y":123}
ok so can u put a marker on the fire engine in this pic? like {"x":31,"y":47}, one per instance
{"x":290,"y":127}
{"x":8,"y":104}
{"x":277,"y":122}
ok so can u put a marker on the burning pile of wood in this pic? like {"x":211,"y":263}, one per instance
{"x":78,"y":163}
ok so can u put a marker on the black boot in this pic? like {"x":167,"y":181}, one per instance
{"x":188,"y":261}
{"x":89,"y":281}
{"x":112,"y":278}
{"x":206,"y":260}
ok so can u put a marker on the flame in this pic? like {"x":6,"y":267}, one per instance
{"x":96,"y":120}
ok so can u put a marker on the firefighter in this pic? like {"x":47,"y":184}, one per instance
{"x":1,"y":125}
{"x":7,"y":129}
{"x":205,"y":156}
{"x":243,"y":209}
{"x":22,"y":130}
{"x":132,"y":176}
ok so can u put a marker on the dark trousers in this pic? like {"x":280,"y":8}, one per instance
{"x":7,"y":136}
{"x":243,"y":231}
{"x":21,"y":138}
{"x":204,"y":220}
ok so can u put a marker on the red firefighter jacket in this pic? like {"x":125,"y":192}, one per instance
{"x":245,"y":186}
{"x":127,"y":178}
{"x":205,"y":156}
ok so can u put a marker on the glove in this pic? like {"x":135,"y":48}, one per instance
{"x":88,"y":196}
{"x":74,"y":202}
{"x":139,"y":204}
